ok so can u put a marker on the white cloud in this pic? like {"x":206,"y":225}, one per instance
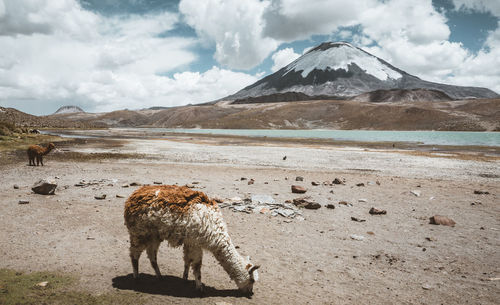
{"x":290,"y":20}
{"x":282,"y":58}
{"x":116,"y":62}
{"x":492,"y":6}
{"x":234,"y":26}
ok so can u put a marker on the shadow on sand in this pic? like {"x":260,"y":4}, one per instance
{"x":171,"y":286}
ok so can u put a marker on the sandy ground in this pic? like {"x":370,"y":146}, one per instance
{"x":314,"y":261}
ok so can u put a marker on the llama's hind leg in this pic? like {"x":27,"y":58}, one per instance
{"x":152,"y":251}
{"x":136,"y":248}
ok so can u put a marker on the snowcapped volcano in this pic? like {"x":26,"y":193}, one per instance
{"x":334,"y":56}
{"x":342,"y":70}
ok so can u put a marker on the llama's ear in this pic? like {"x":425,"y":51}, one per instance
{"x":253,"y":268}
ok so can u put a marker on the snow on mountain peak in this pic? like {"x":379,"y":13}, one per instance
{"x":340,"y":55}
{"x":69,"y":109}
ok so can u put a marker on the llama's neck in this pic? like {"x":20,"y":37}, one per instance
{"x":230,"y":260}
{"x":46,"y":150}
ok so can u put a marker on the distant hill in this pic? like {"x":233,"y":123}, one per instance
{"x":69,"y":109}
{"x":21,"y":119}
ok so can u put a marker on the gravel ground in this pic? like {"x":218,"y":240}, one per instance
{"x":402,"y":259}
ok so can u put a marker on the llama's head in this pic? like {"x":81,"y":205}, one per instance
{"x":251,"y":276}
{"x":51,"y":146}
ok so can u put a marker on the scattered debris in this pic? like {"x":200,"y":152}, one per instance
{"x":357,"y":219}
{"x":305,"y":203}
{"x":357,"y":237}
{"x":377,"y":182}
{"x":416,"y":193}
{"x":362,"y":200}
{"x":330,"y":206}
{"x":262,"y":199}
{"x":284,"y":158}
{"x":315,"y":183}
{"x":299,"y":178}
{"x":251,"y":181}
{"x":485,"y":175}
{"x":16,"y":187}
{"x":243,"y":178}
{"x":476,"y":203}
{"x":44,"y":187}
{"x":218,"y":199}
{"x":263,"y":204}
{"x":195,"y":182}
{"x":135,"y":184}
{"x":119,"y":196}
{"x":370,"y":233}
{"x":375,"y":211}
{"x":23,"y":201}
{"x":345,"y":203}
{"x":157,"y":182}
{"x":42,"y":284}
{"x":100,"y":197}
{"x":360,"y":184}
{"x":481,"y":192}
{"x":441,"y":220}
{"x":123,"y":185}
{"x":298,"y":189}
{"x":430,"y":239}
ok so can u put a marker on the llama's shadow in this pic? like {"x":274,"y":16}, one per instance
{"x":171,"y":286}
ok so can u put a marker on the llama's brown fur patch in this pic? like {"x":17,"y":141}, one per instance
{"x":178,"y":199}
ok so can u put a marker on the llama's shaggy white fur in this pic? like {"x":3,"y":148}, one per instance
{"x":193,"y":221}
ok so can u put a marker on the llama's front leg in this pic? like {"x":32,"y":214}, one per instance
{"x":152,"y":251}
{"x":187,"y":261}
{"x":37,"y":160}
{"x":197,"y":256}
{"x":41,"y":160}
{"x":136,"y":249}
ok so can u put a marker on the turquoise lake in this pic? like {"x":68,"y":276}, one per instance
{"x":460,"y":138}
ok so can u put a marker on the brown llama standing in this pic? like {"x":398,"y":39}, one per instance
{"x":35,"y":151}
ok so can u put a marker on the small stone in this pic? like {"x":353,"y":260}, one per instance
{"x":190,"y":185}
{"x":330,"y":206}
{"x":251,"y":181}
{"x":134,"y":184}
{"x":218,"y":199}
{"x":123,"y":185}
{"x":243,"y":178}
{"x":357,"y":237}
{"x":430,"y":239}
{"x":475,"y":203}
{"x":195,"y":182}
{"x":362,"y":200}
{"x":441,"y":220}
{"x":426,"y":287}
{"x":23,"y":202}
{"x":345,"y":203}
{"x":299,"y":178}
{"x":315,"y":183}
{"x":42,"y":284}
{"x":44,"y":187}
{"x":360,"y":184}
{"x":416,"y":193}
{"x":100,"y":197}
{"x":375,"y":211}
{"x":284,"y":158}
{"x":16,"y":187}
{"x":157,"y":182}
{"x":119,"y":196}
{"x":481,"y":192}
{"x":298,"y":189}
{"x":337,"y":181}
{"x":303,"y":202}
{"x":357,"y":219}
{"x":370,"y":233}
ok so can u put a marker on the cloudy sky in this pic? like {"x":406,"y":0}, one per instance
{"x":105,"y":55}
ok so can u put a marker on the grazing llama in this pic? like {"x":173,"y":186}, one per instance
{"x":35,"y":151}
{"x":183,"y":217}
